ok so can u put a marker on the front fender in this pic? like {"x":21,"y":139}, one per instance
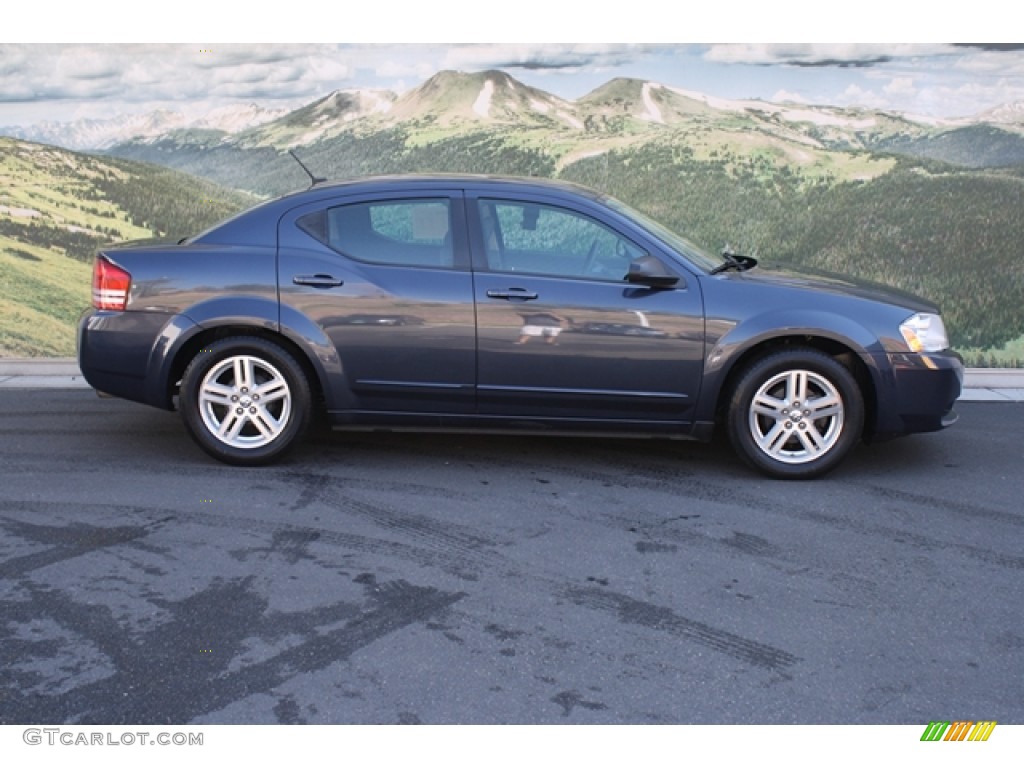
{"x":730,"y":343}
{"x":751,"y":332}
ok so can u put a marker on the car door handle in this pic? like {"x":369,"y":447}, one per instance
{"x":513,"y":293}
{"x":318,"y":281}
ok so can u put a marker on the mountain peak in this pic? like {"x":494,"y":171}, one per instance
{"x":1011,"y":113}
{"x":322,"y":118}
{"x":490,"y":96}
{"x":641,"y":101}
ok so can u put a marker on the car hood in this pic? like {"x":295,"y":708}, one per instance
{"x":843,"y":285}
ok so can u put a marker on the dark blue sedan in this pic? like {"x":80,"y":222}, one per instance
{"x":495,"y":304}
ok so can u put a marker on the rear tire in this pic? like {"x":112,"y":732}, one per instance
{"x":245,"y":400}
{"x":795,"y":414}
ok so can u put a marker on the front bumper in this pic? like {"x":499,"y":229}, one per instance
{"x":919,"y":393}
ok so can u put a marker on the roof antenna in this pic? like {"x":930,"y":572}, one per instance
{"x":314,"y":180}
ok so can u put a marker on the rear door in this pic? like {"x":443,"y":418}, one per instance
{"x":562,"y":337}
{"x":386,"y":279}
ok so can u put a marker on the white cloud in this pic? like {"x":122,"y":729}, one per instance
{"x":998,"y":64}
{"x":541,"y":56}
{"x":856,"y":96}
{"x":900,"y":89}
{"x":971,"y":98}
{"x":418,"y":69}
{"x":130,"y":74}
{"x":823,"y":54}
{"x":784,"y":95}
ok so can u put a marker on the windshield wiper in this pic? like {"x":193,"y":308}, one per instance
{"x":736,"y":261}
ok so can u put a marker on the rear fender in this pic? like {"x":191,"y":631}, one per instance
{"x":322,"y":355}
{"x":254,"y":312}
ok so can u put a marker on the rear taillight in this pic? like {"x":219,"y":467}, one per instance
{"x":110,"y":285}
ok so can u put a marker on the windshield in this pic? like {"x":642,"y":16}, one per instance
{"x":694,"y":253}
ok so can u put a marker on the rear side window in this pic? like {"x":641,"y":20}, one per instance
{"x":412,"y":233}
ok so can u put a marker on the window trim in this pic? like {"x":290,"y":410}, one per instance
{"x":481,"y":261}
{"x":457,"y":223}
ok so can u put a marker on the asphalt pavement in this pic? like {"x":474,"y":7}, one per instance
{"x":389,"y":578}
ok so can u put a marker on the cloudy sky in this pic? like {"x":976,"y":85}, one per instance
{"x":64,"y":81}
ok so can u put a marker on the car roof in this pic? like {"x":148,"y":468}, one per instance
{"x":258,"y":224}
{"x":523,"y":183}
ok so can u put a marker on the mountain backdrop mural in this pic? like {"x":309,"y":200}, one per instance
{"x":931,"y":205}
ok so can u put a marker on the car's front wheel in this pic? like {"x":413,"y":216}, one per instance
{"x":245,"y":400}
{"x":795,"y":414}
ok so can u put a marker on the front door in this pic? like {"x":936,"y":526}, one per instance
{"x":563,"y":338}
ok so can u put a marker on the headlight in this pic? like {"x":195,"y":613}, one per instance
{"x":925,"y":332}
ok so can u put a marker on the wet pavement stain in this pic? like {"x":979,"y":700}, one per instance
{"x":569,"y":700}
{"x":66,"y":542}
{"x":645,"y":547}
{"x":287,"y":712}
{"x":503,"y":633}
{"x":751,"y":544}
{"x":291,"y":544}
{"x":183,"y":668}
{"x":632,"y":611}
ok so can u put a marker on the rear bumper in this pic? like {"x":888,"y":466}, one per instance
{"x":116,"y":352}
{"x":920,"y":394}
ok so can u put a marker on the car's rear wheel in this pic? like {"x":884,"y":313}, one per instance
{"x":795,"y":414}
{"x":245,"y":400}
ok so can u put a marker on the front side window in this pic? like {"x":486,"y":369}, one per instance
{"x":548,"y":240}
{"x":414,"y":233}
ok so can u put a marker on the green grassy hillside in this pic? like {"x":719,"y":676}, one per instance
{"x":978,"y":146}
{"x":56,"y":208}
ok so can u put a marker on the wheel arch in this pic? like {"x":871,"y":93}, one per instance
{"x":843,"y":352}
{"x":191,"y":346}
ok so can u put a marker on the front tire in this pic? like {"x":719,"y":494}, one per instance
{"x":795,"y":414}
{"x":245,"y":400}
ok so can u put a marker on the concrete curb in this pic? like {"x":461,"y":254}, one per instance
{"x":39,"y":366}
{"x":980,"y":384}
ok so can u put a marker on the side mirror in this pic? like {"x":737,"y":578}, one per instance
{"x":648,"y":270}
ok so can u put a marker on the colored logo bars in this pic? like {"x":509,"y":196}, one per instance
{"x":960,"y":730}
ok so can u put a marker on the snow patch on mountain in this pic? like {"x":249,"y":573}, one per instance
{"x":482,"y":105}
{"x":825,"y":118}
{"x":653,"y":113}
{"x":937,"y":122}
{"x":20,"y":213}
{"x":728,"y":105}
{"x":237,"y":117}
{"x":1006,"y":114}
{"x":802,"y":114}
{"x":572,"y":120}
{"x":378,"y":103}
